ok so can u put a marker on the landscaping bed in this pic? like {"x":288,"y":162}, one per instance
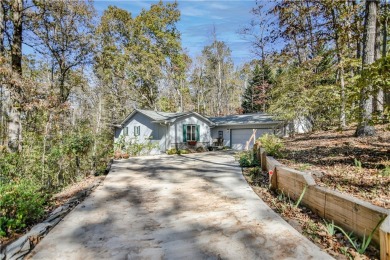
{"x":338,"y":160}
{"x":324,"y":234}
{"x":73,"y":194}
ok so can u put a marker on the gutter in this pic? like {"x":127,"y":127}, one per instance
{"x":260,"y":123}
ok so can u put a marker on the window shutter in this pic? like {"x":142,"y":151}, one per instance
{"x":184,"y":133}
{"x":197,"y":133}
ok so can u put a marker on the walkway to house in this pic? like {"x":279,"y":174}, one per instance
{"x":194,"y":206}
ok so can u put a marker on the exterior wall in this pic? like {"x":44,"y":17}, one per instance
{"x":226,"y":134}
{"x":147,"y":129}
{"x":277,"y":130}
{"x":176,"y":132}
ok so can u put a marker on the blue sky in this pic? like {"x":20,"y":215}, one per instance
{"x":198,"y":19}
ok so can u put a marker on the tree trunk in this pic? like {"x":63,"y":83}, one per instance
{"x":343,"y":120}
{"x":378,"y":94}
{"x":14,"y":126}
{"x":340,"y":70}
{"x":356,"y":28}
{"x":2,"y":28}
{"x":263,"y":90}
{"x":298,"y":52}
{"x":365,"y":127}
{"x":384,"y":30}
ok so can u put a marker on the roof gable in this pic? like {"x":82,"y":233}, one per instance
{"x":164,"y":117}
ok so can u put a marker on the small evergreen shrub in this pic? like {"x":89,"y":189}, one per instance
{"x":254,"y":171}
{"x":20,"y":205}
{"x":186,"y":151}
{"x":248,"y":159}
{"x":172,"y":151}
{"x":272,"y":144}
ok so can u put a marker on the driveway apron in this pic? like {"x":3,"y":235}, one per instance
{"x":195,"y":206}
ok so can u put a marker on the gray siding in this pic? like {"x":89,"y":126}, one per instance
{"x":176,"y":132}
{"x":147,"y":129}
{"x":226,"y":134}
{"x":227,"y":131}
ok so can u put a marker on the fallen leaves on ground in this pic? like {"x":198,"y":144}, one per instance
{"x":305,"y":221}
{"x":356,"y":166}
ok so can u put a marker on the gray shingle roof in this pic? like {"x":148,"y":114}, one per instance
{"x":161,"y":116}
{"x":244,"y":119}
{"x":247,"y":119}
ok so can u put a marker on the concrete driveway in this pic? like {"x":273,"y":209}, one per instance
{"x":195,"y":206}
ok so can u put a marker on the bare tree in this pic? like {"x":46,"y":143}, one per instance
{"x":14,"y":124}
{"x":62,"y":32}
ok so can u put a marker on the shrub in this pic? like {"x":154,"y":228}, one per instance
{"x":172,"y":151}
{"x":272,"y":144}
{"x":254,"y":171}
{"x":186,"y":151}
{"x":248,"y":159}
{"x":385,"y":171}
{"x":200,"y":149}
{"x":20,"y":205}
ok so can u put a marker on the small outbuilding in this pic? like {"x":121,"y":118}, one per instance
{"x":191,"y":130}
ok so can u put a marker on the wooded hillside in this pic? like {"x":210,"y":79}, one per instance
{"x":68,"y":74}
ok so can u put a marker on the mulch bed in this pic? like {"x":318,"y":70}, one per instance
{"x":304,"y":220}
{"x":338,"y":160}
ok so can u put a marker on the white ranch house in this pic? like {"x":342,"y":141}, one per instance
{"x":190,"y":129}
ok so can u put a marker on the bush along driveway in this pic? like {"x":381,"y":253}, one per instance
{"x":173,"y":207}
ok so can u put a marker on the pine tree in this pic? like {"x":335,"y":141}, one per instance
{"x":255,"y":96}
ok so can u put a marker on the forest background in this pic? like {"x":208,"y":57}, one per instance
{"x":58,"y":106}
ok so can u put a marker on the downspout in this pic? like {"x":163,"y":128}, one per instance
{"x":166,"y":134}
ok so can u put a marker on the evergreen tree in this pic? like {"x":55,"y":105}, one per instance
{"x":255,"y":96}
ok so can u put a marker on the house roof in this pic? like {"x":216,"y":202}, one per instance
{"x":250,"y":119}
{"x":245,"y":119}
{"x":163,"y":117}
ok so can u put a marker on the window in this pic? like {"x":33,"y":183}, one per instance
{"x":126,"y":131}
{"x":136,"y":130}
{"x":220,"y":134}
{"x":190,"y":133}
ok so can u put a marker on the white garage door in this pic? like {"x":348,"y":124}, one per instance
{"x":243,"y":139}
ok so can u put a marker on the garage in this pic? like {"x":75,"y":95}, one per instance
{"x":243,"y":139}
{"x":239,"y":132}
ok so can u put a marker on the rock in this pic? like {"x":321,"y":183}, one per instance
{"x":317,"y":174}
{"x":40,"y":229}
{"x":365,"y":130}
{"x":18,"y":248}
{"x":58,"y":212}
{"x":295,"y":224}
